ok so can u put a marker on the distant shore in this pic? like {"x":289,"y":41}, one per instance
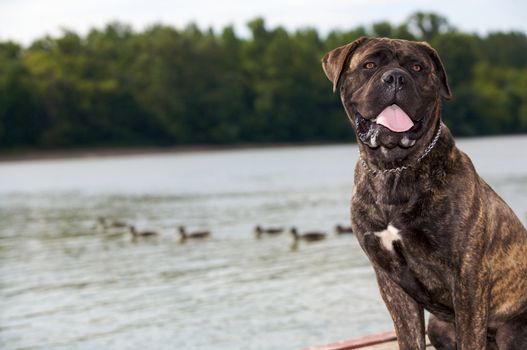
{"x":74,"y":153}
{"x":99,"y":152}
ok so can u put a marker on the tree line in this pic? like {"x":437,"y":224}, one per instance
{"x":166,"y":86}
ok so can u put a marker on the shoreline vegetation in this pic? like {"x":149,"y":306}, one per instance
{"x":101,"y":152}
{"x":169,"y":87}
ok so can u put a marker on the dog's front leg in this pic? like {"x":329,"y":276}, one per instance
{"x":407,"y":314}
{"x":471,"y":306}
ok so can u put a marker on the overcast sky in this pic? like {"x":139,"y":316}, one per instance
{"x":25,"y":20}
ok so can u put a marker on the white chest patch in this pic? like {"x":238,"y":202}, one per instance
{"x":388,"y":236}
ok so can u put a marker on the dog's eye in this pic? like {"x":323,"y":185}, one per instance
{"x":370,"y":65}
{"x":417,"y":67}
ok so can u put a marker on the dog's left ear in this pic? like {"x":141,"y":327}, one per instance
{"x":334,"y":61}
{"x":445,"y":88}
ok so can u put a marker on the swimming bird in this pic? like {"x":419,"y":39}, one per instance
{"x":339,"y":229}
{"x":141,"y":234}
{"x":308,"y":236}
{"x":259,"y":230}
{"x":192,"y":235}
{"x":106,"y":223}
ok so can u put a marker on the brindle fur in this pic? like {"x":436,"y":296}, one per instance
{"x":463,"y":252}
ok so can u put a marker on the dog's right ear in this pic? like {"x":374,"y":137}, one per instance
{"x":334,"y":61}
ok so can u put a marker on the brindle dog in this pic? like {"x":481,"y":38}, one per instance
{"x":438,"y":236}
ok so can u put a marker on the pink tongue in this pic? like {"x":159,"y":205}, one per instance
{"x":395,"y":119}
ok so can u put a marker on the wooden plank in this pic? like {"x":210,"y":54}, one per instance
{"x":362,"y":343}
{"x":381,"y":341}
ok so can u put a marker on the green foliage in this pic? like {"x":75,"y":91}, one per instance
{"x":166,"y":86}
{"x":428,"y":26}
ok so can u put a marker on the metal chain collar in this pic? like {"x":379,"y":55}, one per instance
{"x":404,"y":167}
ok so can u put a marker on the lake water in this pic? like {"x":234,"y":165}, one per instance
{"x":65,"y":284}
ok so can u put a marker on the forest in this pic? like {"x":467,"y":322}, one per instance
{"x":164,"y":86}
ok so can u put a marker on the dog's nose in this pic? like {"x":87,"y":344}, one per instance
{"x":394,"y":78}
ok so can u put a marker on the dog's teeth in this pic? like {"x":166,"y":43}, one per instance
{"x":406,"y":142}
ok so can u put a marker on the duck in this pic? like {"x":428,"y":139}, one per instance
{"x":106,"y":223}
{"x":339,"y":229}
{"x":259,"y":230}
{"x":192,"y":235}
{"x":141,"y":234}
{"x":308,"y":236}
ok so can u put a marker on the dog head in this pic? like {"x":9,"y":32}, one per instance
{"x":391,"y":90}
